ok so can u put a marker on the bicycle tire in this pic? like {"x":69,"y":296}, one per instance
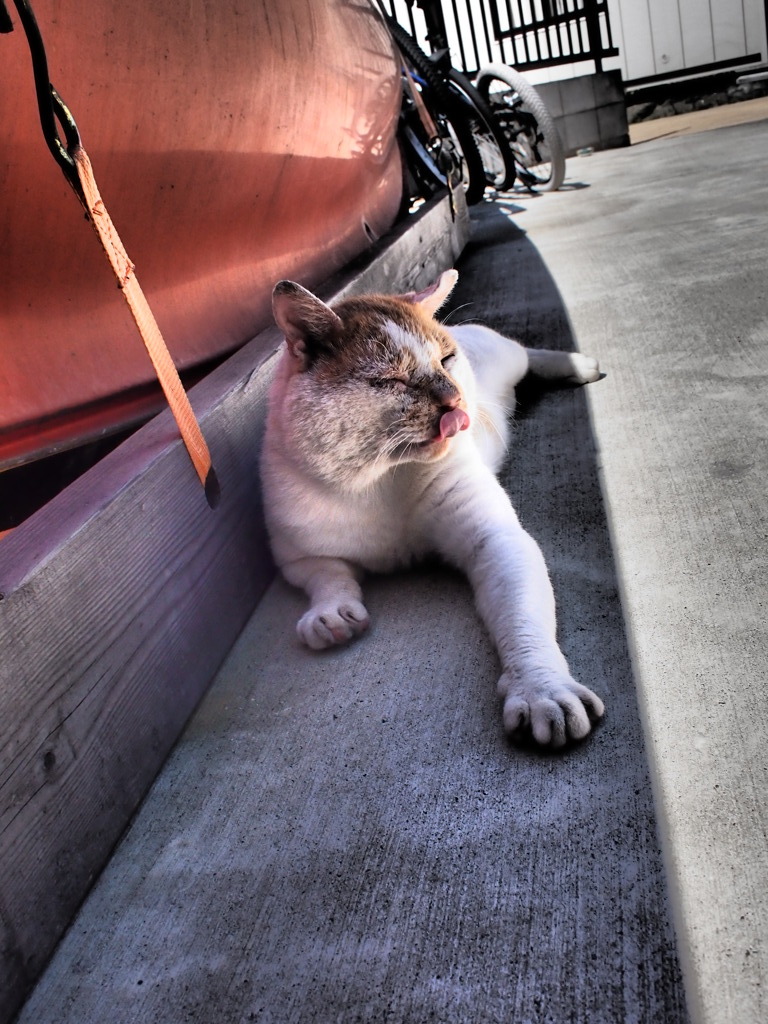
{"x":459,"y":128}
{"x":528,"y":124}
{"x":491,"y":140}
{"x":419,"y":61}
{"x":447,"y":110}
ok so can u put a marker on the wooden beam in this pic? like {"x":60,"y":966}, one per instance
{"x":118,"y":602}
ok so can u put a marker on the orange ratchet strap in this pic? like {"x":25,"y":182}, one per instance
{"x":153,"y":340}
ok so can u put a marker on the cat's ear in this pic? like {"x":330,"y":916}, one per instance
{"x":308,"y":324}
{"x":432,"y":298}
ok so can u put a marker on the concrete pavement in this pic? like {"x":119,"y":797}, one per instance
{"x":349,"y":837}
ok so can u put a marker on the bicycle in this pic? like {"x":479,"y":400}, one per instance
{"x":449,"y":131}
{"x":490,"y":133}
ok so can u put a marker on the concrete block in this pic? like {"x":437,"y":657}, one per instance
{"x":612,"y":126}
{"x":608,"y":87}
{"x":552,"y":97}
{"x":578,"y":94}
{"x":580,"y":130}
{"x":588,"y":111}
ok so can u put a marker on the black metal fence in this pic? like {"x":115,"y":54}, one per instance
{"x":524,"y":33}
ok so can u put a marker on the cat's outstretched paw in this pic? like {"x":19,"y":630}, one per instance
{"x":585,"y":369}
{"x":331,"y":625}
{"x":555,"y":712}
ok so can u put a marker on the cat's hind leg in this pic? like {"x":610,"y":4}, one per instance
{"x":571,"y":367}
{"x":498,"y":362}
{"x":336,"y":613}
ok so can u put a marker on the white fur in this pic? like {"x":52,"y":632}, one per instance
{"x":324,"y":539}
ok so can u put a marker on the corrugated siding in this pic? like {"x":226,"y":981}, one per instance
{"x":660,"y":37}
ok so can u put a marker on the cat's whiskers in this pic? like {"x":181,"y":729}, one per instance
{"x":489,"y":420}
{"x":403,"y":437}
{"x":449,"y":322}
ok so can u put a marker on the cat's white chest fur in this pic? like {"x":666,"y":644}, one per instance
{"x":380,"y":528}
{"x":312,"y":520}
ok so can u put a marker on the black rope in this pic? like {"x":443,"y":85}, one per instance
{"x":53,"y":111}
{"x":6,"y":25}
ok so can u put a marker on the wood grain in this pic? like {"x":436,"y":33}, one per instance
{"x":118,"y":602}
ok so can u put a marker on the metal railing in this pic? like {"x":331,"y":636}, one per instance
{"x":524,"y":33}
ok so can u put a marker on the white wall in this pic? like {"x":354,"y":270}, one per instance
{"x":660,"y":37}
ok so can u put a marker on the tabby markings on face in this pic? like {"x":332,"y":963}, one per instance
{"x":413,"y":364}
{"x":371,"y":385}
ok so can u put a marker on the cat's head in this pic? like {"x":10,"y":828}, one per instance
{"x":372,"y":382}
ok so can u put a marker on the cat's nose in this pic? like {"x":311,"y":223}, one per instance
{"x":447,"y":394}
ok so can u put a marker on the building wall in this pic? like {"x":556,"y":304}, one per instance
{"x":671,"y":37}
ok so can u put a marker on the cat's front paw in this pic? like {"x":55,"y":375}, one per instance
{"x":330,"y":625}
{"x":555,"y":712}
{"x":585,"y":369}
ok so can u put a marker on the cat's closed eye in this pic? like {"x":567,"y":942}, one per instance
{"x":447,"y":361}
{"x":398,"y":383}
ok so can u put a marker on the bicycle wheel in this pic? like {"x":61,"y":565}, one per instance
{"x":456,"y":124}
{"x":447,"y":110}
{"x":527,"y":124}
{"x":491,"y":140}
{"x":419,"y":62}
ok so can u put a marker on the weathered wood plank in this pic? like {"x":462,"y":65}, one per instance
{"x":118,"y":602}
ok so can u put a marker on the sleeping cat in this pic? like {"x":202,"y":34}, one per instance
{"x":384,"y":434}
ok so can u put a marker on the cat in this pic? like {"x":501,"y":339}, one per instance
{"x":385,"y":430}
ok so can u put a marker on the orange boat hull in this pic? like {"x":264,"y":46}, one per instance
{"x":233,"y":145}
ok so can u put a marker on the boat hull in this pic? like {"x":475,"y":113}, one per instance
{"x":233,"y":145}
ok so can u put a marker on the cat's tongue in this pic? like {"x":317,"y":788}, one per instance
{"x":452,"y":422}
